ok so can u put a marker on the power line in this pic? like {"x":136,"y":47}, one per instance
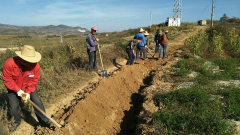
{"x":204,"y":10}
{"x":114,"y":19}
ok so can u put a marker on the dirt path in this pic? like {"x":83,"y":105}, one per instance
{"x":5,"y":49}
{"x":105,"y":105}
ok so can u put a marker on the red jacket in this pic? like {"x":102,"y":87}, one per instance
{"x":14,"y":79}
{"x":162,"y":39}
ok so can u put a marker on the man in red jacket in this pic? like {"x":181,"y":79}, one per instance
{"x":20,"y":76}
{"x":163,"y":43}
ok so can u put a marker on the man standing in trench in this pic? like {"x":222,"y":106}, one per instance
{"x":20,"y":75}
{"x":163,"y":41}
{"x":92,"y":48}
{"x":140,"y":46}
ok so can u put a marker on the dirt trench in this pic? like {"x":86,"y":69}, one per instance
{"x":113,"y":105}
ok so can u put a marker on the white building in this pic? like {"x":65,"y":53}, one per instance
{"x":202,"y":22}
{"x":173,"y":21}
{"x":224,"y":18}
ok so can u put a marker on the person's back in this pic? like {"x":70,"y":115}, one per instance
{"x":138,"y":35}
{"x":162,"y":39}
{"x":156,"y":36}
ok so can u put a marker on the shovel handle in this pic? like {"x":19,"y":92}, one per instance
{"x":39,"y":109}
{"x":100,"y":56}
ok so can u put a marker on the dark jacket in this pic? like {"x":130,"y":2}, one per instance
{"x":134,"y":44}
{"x":156,"y":36}
{"x":91,"y":42}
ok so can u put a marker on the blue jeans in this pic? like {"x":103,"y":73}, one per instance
{"x":164,"y":50}
{"x":131,"y":56}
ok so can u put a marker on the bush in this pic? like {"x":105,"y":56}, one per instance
{"x":194,"y":43}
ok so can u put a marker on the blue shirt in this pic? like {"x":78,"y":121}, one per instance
{"x":143,"y":39}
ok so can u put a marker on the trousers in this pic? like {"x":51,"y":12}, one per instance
{"x":131,"y":56}
{"x":92,"y":60}
{"x":164,"y":50}
{"x":141,"y":48}
{"x":15,"y":109}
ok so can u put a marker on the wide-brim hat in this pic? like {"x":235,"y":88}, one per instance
{"x":166,"y":31}
{"x":146,"y":33}
{"x":29,"y":54}
{"x":141,"y":30}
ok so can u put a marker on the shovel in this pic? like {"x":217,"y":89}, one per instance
{"x":44,"y":113}
{"x":103,"y":72}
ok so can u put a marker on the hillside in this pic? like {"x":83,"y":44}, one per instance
{"x":150,"y":97}
{"x":63,"y":29}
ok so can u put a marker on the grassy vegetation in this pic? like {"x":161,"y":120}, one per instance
{"x":195,"y":111}
{"x":204,"y":108}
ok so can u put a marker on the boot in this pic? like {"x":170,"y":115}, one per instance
{"x":13,"y":127}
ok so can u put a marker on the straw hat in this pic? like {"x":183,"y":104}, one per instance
{"x":146,"y":33}
{"x":166,"y":31}
{"x":29,"y":54}
{"x":141,"y":30}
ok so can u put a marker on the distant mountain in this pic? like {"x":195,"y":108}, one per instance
{"x":50,"y":29}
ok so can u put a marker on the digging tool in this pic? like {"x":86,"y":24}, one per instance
{"x":103,"y":72}
{"x":148,"y":51}
{"x":44,"y":113}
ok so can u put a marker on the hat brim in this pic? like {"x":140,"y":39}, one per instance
{"x":141,"y":30}
{"x":35,"y":59}
{"x":146,"y":34}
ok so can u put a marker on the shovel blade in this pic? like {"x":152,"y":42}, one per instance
{"x":103,"y":73}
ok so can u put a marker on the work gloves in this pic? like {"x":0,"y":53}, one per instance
{"x":23,"y":95}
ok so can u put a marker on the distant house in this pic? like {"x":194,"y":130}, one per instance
{"x":224,"y":18}
{"x":202,"y":22}
{"x":173,"y":21}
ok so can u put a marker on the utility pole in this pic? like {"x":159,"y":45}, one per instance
{"x":212,"y":15}
{"x":61,"y":40}
{"x":150,"y":20}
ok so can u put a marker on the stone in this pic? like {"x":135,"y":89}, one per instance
{"x":209,"y":65}
{"x":150,"y":106}
{"x":229,"y":83}
{"x":197,"y":57}
{"x":193,"y":74}
{"x":214,"y":97}
{"x":186,"y":85}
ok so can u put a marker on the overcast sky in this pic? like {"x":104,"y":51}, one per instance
{"x":108,"y":15}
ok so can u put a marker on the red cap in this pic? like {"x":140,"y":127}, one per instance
{"x":94,"y":28}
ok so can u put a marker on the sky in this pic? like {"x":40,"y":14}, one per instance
{"x":109,"y":15}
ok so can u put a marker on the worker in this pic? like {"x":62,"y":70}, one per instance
{"x":140,"y":46}
{"x":156,"y":41}
{"x":130,"y":50}
{"x":166,"y":32}
{"x":163,"y":41}
{"x":20,"y":75}
{"x":146,"y":34}
{"x":92,"y":43}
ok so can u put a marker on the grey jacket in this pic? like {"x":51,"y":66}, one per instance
{"x":91,"y":42}
{"x":135,"y":42}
